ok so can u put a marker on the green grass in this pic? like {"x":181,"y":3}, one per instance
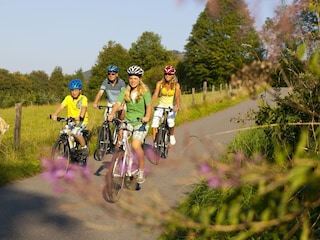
{"x":38,"y":132}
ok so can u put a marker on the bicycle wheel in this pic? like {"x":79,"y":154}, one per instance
{"x":151,"y":153}
{"x":61,"y":155}
{"x":166,"y":141}
{"x":103,"y":142}
{"x":115,"y":177}
{"x":160,"y":140}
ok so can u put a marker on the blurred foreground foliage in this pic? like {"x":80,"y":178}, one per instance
{"x":267,"y":187}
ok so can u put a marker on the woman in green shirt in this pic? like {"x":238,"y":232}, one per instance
{"x":137,"y":98}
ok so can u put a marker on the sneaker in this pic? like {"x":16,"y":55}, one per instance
{"x":140,"y":178}
{"x":172,"y":140}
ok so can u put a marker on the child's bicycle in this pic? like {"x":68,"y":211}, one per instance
{"x":163,"y":133}
{"x":67,"y":150}
{"x":107,"y":136}
{"x":122,"y":171}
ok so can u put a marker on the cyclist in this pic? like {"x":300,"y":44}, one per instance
{"x":112,"y":86}
{"x":77,"y":105}
{"x":169,"y":90}
{"x":137,"y":98}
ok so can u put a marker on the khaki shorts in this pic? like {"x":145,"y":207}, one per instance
{"x":139,"y":132}
{"x":77,"y":130}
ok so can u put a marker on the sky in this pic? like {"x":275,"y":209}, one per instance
{"x":43,"y":34}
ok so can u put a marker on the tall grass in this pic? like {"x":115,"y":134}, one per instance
{"x":38,"y":132}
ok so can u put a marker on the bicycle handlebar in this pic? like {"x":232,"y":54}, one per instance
{"x":125,"y":121}
{"x":101,"y":107}
{"x":69,"y":119}
{"x":168,"y":109}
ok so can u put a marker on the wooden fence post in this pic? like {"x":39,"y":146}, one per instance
{"x":193,"y":92}
{"x":227,"y":88}
{"x":17,"y":125}
{"x":212,"y":90}
{"x":204,"y":91}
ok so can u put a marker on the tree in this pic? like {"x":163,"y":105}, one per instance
{"x":153,"y":75}
{"x":221,"y":41}
{"x":40,"y":87}
{"x":148,"y":52}
{"x":112,"y":54}
{"x":14,"y":88}
{"x":58,"y":84}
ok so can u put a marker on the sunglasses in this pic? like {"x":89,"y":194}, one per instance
{"x":112,"y":73}
{"x":168,"y":74}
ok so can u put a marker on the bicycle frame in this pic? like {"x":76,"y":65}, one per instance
{"x":121,"y":171}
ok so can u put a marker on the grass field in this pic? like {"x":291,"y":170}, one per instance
{"x":38,"y":132}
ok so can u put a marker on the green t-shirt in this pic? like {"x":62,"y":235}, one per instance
{"x":135,"y":109}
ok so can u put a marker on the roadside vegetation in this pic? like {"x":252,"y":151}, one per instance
{"x":267,"y":185}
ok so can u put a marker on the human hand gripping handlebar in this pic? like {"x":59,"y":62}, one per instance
{"x":168,"y":109}
{"x":59,"y":119}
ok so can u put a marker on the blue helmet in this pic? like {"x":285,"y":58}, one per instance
{"x":113,"y":68}
{"x":75,"y":84}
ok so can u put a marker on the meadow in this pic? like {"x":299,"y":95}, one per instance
{"x":39,"y":132}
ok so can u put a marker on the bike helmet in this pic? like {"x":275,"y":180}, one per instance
{"x":75,"y":84}
{"x":169,"y":70}
{"x":135,"y":70}
{"x":113,"y":68}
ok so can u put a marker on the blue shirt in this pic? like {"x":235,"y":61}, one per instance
{"x":113,"y":92}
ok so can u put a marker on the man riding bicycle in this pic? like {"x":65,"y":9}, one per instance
{"x":113,"y":85}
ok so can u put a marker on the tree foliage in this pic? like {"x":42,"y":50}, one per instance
{"x":148,"y":51}
{"x":221,"y":41}
{"x":111,"y":54}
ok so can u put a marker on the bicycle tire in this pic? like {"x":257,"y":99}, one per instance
{"x":166,"y":141}
{"x":103,"y":142}
{"x":115,"y":177}
{"x":160,"y":140}
{"x":60,"y":154}
{"x":151,"y":153}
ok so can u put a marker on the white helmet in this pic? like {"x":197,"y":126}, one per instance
{"x":135,"y":70}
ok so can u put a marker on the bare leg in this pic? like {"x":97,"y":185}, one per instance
{"x":137,"y":148}
{"x":81,"y":140}
{"x":154,"y":134}
{"x":171,"y":130}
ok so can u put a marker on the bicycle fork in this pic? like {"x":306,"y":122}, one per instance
{"x":128,"y":158}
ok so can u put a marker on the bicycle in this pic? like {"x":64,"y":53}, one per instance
{"x":163,"y":134}
{"x":122,"y":171}
{"x":107,"y":136}
{"x":67,"y":150}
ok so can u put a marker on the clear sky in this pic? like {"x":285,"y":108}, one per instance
{"x":43,"y":34}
